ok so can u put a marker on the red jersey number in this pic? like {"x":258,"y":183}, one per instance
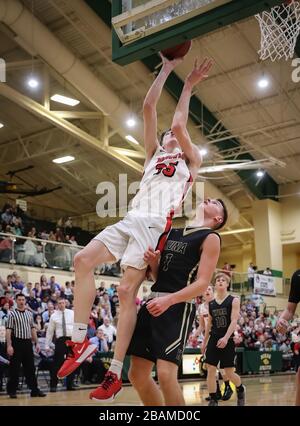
{"x":166,"y":169}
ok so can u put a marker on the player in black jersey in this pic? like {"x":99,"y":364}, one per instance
{"x":218,"y":343}
{"x":186,"y":266}
{"x":287,"y":315}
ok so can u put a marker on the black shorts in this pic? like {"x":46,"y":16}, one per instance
{"x":162,"y":337}
{"x":225,"y":356}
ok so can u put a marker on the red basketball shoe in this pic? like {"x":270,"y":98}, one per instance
{"x":109,"y":388}
{"x":78,"y":352}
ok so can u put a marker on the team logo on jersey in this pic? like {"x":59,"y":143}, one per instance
{"x":166,"y":169}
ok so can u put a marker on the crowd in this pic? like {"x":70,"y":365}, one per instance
{"x":256,"y":329}
{"x":43,"y":300}
{"x":15,"y":222}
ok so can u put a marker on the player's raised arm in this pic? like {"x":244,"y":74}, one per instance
{"x":150,"y":103}
{"x":179,"y":124}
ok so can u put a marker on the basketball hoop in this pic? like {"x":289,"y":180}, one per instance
{"x":280,"y":29}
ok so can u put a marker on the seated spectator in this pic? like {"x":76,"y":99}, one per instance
{"x":69,"y":291}
{"x":37,"y":290}
{"x":44,"y":235}
{"x":5,"y":249}
{"x":106,"y":311}
{"x":39,"y":258}
{"x":53,"y":285}
{"x":93,"y":369}
{"x":51,"y":236}
{"x":109,"y":331}
{"x":47,"y":314}
{"x":4,"y":311}
{"x":267,"y":271}
{"x":30,"y":250}
{"x":7,"y":216}
{"x":39,"y":325}
{"x":27,"y":289}
{"x":33,"y":304}
{"x":73,"y":241}
{"x":17,"y":284}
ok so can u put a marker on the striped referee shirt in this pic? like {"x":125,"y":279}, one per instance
{"x":21,"y":323}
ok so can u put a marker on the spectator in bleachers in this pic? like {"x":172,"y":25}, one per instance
{"x":4,"y":311}
{"x":267,"y":271}
{"x":53,"y":285}
{"x":30,"y":250}
{"x":33,"y":304}
{"x":73,"y":241}
{"x":7,"y":216}
{"x":39,"y":325}
{"x":5,"y":249}
{"x":93,"y":368}
{"x":105,"y":311}
{"x":69,"y":291}
{"x":27,"y":289}
{"x":47,"y":314}
{"x":109,"y":331}
{"x":17,"y":283}
{"x":37,"y":291}
{"x":51,"y":236}
{"x":33,"y":232}
{"x":251,"y":272}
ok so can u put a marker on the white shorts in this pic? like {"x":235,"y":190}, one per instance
{"x":130,"y":238}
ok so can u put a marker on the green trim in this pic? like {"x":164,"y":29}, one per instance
{"x":276,"y":273}
{"x":267,"y":187}
{"x":187,"y":30}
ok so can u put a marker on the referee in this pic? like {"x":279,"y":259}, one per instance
{"x":20,"y":332}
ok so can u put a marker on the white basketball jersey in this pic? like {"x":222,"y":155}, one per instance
{"x":165,"y":182}
{"x":203,"y":311}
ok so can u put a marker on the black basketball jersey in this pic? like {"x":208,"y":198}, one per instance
{"x":180,"y":259}
{"x":294,"y":296}
{"x":221,"y":316}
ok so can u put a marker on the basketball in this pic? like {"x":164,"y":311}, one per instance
{"x":178,"y":51}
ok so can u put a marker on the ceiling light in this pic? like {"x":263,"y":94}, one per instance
{"x":33,"y":82}
{"x":1,"y":125}
{"x":131,"y":122}
{"x":65,"y":159}
{"x":260,"y":173}
{"x":131,"y":139}
{"x":203,"y":152}
{"x":64,"y":100}
{"x":263,"y":83}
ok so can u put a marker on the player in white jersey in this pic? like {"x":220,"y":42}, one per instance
{"x":167,"y":170}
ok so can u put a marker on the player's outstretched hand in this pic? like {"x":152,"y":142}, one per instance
{"x":282,"y":326}
{"x":170,"y":64}
{"x":199,"y":72}
{"x":151,"y":256}
{"x":158,"y":305}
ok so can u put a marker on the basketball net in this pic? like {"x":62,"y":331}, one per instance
{"x":280,"y":28}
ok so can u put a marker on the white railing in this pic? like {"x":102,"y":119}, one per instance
{"x":42,"y":253}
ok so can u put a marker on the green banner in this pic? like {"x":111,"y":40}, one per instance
{"x":261,"y":362}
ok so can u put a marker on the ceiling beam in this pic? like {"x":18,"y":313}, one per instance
{"x":50,"y":116}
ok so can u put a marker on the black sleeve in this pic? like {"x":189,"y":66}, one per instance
{"x":294,"y":296}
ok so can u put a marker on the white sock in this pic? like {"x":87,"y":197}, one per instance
{"x":79,"y":332}
{"x":116,"y":367}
